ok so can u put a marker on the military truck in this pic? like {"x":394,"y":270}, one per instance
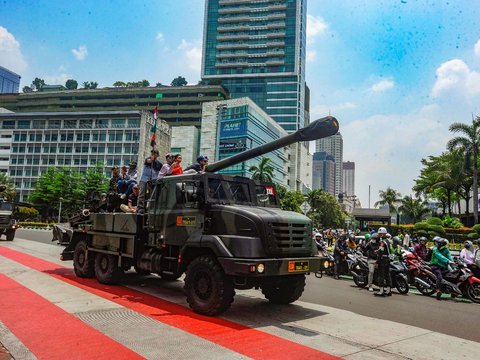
{"x":8,"y":225}
{"x":211,"y":227}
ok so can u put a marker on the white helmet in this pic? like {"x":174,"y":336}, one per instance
{"x":468,"y":244}
{"x":318,"y":234}
{"x":382,"y":230}
{"x":389,"y":236}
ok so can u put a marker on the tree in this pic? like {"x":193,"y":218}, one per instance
{"x":325,"y":210}
{"x":37,"y":84}
{"x":389,"y":197}
{"x":145,"y":83}
{"x":158,"y":84}
{"x":9,"y":192}
{"x":291,"y":201}
{"x":71,"y":84}
{"x":264,"y":171}
{"x":468,"y":144}
{"x":27,"y":89}
{"x":119,"y":84}
{"x":414,"y":208}
{"x":90,"y":84}
{"x":95,"y":179}
{"x":179,"y":81}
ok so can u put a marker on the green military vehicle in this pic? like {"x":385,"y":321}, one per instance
{"x":211,"y":227}
{"x":8,"y":225}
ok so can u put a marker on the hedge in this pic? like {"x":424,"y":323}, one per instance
{"x":35,"y":224}
{"x":434,"y":221}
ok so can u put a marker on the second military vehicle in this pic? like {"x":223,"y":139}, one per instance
{"x":211,"y":227}
{"x":8,"y":225}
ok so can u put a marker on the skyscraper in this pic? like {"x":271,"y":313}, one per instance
{"x":323,"y":174}
{"x":257,"y":49}
{"x":333,"y":145}
{"x":9,"y":81}
{"x":348,"y":174}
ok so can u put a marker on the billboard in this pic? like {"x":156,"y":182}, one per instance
{"x":233,"y":128}
{"x":233,"y":144}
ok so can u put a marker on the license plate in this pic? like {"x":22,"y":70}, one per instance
{"x":297,"y":266}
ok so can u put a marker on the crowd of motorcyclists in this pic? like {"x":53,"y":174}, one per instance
{"x":377,"y":258}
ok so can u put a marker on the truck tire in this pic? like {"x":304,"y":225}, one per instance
{"x":106,"y":269}
{"x":284,"y":289}
{"x":83,"y":265}
{"x":170,"y":277}
{"x":209,"y":291}
{"x":10,"y":235}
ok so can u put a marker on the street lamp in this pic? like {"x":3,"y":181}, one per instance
{"x":60,"y":210}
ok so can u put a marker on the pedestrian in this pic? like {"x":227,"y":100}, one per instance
{"x":339,"y":254}
{"x":167,"y":167}
{"x":200,"y":165}
{"x":420,"y":250}
{"x":383,"y":264}
{"x":371,"y":250}
{"x":151,"y":168}
{"x":441,"y":258}
{"x":176,"y":167}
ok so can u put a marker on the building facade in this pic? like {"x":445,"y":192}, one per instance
{"x":186,"y":141}
{"x":30,"y":143}
{"x":236,"y":125}
{"x":333,"y":146}
{"x":323,"y":172}
{"x":9,"y":81}
{"x":178,"y":105}
{"x":257,"y":49}
{"x":348,"y":175}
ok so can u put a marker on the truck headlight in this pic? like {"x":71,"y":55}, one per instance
{"x":260,"y":268}
{"x":326,"y":264}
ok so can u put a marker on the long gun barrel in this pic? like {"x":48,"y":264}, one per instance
{"x":318,"y":129}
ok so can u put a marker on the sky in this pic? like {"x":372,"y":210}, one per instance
{"x":394,"y":73}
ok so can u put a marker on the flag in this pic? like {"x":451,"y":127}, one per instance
{"x":154,"y":128}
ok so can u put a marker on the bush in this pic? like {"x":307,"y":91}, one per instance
{"x":438,"y":229}
{"x":452,"y":222}
{"x":473,"y":236}
{"x":435,"y":221}
{"x":25,"y":213}
{"x":35,"y":224}
{"x":422,"y":225}
{"x":477,"y":228}
{"x":422,"y":233}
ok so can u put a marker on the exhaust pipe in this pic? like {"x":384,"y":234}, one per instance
{"x":423,"y":283}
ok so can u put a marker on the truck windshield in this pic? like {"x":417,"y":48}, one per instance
{"x":228,"y":192}
{"x":6,"y":206}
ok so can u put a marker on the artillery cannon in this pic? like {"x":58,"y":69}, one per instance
{"x":210,"y":227}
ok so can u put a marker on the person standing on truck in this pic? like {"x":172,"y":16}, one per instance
{"x":151,"y":168}
{"x":176,"y":168}
{"x":167,"y":167}
{"x":200,"y":165}
{"x":113,"y":183}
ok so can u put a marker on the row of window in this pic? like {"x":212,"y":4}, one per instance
{"x":80,"y":136}
{"x":70,"y":124}
{"x":78,"y":149}
{"x":60,"y":161}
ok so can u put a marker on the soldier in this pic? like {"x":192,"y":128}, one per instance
{"x":113,"y":184}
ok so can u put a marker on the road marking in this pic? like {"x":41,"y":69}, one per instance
{"x":222,"y":332}
{"x":50,"y":332}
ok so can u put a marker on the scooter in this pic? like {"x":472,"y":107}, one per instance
{"x":322,"y":250}
{"x":418,"y":273}
{"x":458,"y":281}
{"x":359,"y":270}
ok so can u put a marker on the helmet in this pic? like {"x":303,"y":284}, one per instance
{"x":422,"y":238}
{"x":436,"y":239}
{"x":382,"y":230}
{"x":396,"y":241}
{"x":367,"y":236}
{"x":389,"y":236}
{"x":318,"y":234}
{"x":442,"y":242}
{"x":468,"y":244}
{"x":375,"y":237}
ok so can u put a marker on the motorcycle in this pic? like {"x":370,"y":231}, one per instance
{"x":418,"y":273}
{"x":359,"y":270}
{"x":458,"y":281}
{"x":322,"y":250}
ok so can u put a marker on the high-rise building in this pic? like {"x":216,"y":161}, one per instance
{"x":323,"y":175}
{"x":348,"y":175}
{"x":257,"y":49}
{"x":333,"y":145}
{"x":9,"y":81}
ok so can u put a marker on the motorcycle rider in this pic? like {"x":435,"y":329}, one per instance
{"x":441,"y":258}
{"x":371,"y":250}
{"x":339,"y":253}
{"x":396,"y":248}
{"x":420,"y":250}
{"x":383,"y":263}
{"x":318,"y":239}
{"x":468,"y":256}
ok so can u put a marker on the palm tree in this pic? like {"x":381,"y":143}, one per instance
{"x":264,"y":171}
{"x":469,"y":145}
{"x":389,"y":197}
{"x":414,"y":208}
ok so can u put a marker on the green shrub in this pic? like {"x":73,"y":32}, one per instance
{"x":452,"y":222}
{"x":34,"y":224}
{"x":435,"y":221}
{"x":477,"y":228}
{"x":473,"y":235}
{"x":438,"y":229}
{"x":422,"y":233}
{"x":422,"y":225}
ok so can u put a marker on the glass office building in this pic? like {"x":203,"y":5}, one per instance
{"x":30,"y":143}
{"x":257,"y":49}
{"x":9,"y":81}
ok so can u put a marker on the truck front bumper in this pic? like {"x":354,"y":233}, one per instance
{"x":273,"y":266}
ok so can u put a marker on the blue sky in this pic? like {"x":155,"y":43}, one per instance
{"x":395,"y":73}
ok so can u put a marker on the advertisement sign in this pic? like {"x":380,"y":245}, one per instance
{"x":233,"y":144}
{"x":233,"y":128}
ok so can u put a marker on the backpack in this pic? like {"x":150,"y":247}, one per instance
{"x":429,"y":255}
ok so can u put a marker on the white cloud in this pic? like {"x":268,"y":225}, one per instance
{"x":11,"y":56}
{"x":456,"y":79}
{"x":57,"y":79}
{"x":383,"y":85}
{"x":80,"y":53}
{"x":316,"y":25}
{"x":477,"y":48}
{"x":311,"y":55}
{"x":160,"y":37}
{"x":318,"y":111}
{"x":191,"y":54}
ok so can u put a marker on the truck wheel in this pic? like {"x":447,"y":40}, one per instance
{"x":10,"y":235}
{"x":284,"y":289}
{"x":209,"y":290}
{"x":83,"y":266}
{"x":106,"y":269}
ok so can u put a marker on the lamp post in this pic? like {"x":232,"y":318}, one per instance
{"x":60,"y":210}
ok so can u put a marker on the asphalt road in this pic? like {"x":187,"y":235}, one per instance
{"x":452,"y":317}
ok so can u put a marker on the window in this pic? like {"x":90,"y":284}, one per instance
{"x":54,"y":124}
{"x":133,"y":123}
{"x":38,"y":124}
{"x":24,"y":124}
{"x":100,"y":137}
{"x":86,"y":124}
{"x":70,"y":124}
{"x":8,"y":124}
{"x":118,"y":123}
{"x":102,"y":124}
